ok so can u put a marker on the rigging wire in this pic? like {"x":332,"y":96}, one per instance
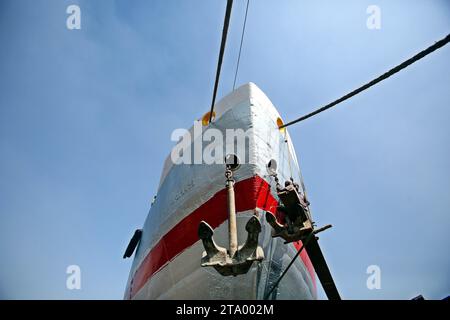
{"x":240,"y":47}
{"x":226,"y":23}
{"x":386,"y":75}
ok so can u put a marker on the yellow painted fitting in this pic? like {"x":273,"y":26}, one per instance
{"x":279,"y":124}
{"x":205,"y":118}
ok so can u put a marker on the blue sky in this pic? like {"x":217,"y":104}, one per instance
{"x":86,"y":117}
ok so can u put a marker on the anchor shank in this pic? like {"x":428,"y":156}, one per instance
{"x":232,"y":229}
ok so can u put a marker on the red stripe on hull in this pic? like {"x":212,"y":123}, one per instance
{"x":249,"y":194}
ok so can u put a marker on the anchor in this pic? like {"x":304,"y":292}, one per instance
{"x":236,"y":260}
{"x":298,"y":223}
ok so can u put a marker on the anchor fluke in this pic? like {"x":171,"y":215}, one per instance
{"x":250,"y":251}
{"x":205,"y":233}
{"x":213,"y":253}
{"x":277,"y":227}
{"x":204,"y":230}
{"x":219,"y":257}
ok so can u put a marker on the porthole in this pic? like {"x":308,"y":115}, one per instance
{"x":272,"y":167}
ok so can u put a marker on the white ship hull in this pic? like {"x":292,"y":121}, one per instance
{"x":167,"y":259}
